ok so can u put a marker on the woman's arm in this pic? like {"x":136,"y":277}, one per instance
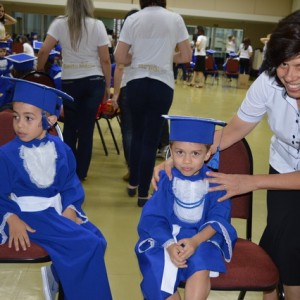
{"x":184,"y":53}
{"x":9,"y":20}
{"x":43,"y":54}
{"x":119,"y":69}
{"x":237,"y":184}
{"x":122,"y":55}
{"x":233,"y":132}
{"x":106,"y":67}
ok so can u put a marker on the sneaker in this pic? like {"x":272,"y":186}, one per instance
{"x":50,"y":286}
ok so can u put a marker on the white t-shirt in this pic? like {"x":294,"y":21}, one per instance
{"x":202,"y":39}
{"x":153,"y":34}
{"x":230,"y":47}
{"x":245,"y":53}
{"x":27,"y":48}
{"x":85,"y":61}
{"x":266,"y":97}
{"x":2,"y":31}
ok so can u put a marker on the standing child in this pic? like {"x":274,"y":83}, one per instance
{"x":41,"y":196}
{"x":185,"y":234}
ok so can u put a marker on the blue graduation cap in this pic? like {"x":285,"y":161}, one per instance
{"x":195,"y":130}
{"x":18,"y":90}
{"x":37,"y":45}
{"x":192,"y":129}
{"x":210,"y":51}
{"x":22,"y":62}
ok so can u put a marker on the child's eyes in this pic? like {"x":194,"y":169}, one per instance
{"x":179,"y":152}
{"x":26,"y":118}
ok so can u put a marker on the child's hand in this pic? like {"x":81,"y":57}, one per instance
{"x":71,"y":214}
{"x":189,"y":247}
{"x":18,"y":233}
{"x":174,"y":251}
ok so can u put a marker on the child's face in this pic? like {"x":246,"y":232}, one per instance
{"x":2,"y":52}
{"x":188,"y":157}
{"x":27,"y":121}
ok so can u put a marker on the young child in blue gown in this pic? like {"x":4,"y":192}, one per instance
{"x":184,"y":233}
{"x":6,"y":65}
{"x":41,"y":196}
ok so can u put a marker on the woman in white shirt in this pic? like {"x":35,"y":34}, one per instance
{"x":200,"y":54}
{"x":245,"y":54}
{"x":86,"y":74}
{"x":5,"y":19}
{"x":147,"y":43}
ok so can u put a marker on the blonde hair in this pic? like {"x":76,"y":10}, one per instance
{"x":76,"y":12}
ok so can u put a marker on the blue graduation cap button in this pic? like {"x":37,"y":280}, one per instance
{"x":22,"y":61}
{"x":192,"y":129}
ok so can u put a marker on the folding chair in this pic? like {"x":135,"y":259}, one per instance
{"x":251,"y":269}
{"x":210,"y":69}
{"x":106,"y":112}
{"x":232,"y":69}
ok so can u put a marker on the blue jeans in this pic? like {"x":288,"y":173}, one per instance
{"x":126,"y":123}
{"x":79,"y":117}
{"x":148,"y":99}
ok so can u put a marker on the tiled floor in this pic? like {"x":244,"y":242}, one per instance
{"x":108,"y":206}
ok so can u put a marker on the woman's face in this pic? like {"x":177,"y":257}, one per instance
{"x":289,"y":74}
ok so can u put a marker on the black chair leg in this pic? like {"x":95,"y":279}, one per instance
{"x":101,"y":137}
{"x":242,"y":295}
{"x":113,"y":136}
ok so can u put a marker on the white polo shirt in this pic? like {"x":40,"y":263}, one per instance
{"x":266,"y":97}
{"x":153,"y":34}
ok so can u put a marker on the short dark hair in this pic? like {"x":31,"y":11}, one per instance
{"x":146,"y":3}
{"x":284,"y":43}
{"x":200,"y":30}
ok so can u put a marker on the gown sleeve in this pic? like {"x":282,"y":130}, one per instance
{"x":218,"y":217}
{"x":155,"y":218}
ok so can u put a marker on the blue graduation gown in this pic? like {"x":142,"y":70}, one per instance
{"x":156,"y":227}
{"x":77,"y":251}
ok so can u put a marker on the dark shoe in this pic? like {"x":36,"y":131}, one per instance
{"x":131,"y":191}
{"x":142,"y":201}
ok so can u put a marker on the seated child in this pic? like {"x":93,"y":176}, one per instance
{"x":41,"y":196}
{"x":184,"y":233}
{"x":6,"y":65}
